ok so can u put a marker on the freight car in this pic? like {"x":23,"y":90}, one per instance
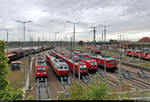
{"x":19,"y":53}
{"x":111,"y":63}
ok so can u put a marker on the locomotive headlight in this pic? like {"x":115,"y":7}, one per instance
{"x":38,"y":73}
{"x":44,"y":73}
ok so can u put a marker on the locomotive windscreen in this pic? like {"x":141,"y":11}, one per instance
{"x":113,"y":61}
{"x":63,"y":67}
{"x":93,"y":63}
{"x":82,"y":67}
{"x":41,"y":69}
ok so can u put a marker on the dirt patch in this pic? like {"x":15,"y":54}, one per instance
{"x":16,"y":78}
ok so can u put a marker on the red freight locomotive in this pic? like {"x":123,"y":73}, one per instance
{"x":59,"y":66}
{"x":146,"y":55}
{"x":41,"y":71}
{"x":83,"y":67}
{"x":111,"y":63}
{"x":90,"y":63}
{"x":138,"y":54}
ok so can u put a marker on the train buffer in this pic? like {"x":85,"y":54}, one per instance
{"x":142,"y":74}
{"x":127,"y":75}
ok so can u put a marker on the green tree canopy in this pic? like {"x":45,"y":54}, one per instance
{"x":96,"y":90}
{"x":6,"y":91}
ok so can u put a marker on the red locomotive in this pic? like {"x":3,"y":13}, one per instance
{"x":139,"y":54}
{"x":41,"y":71}
{"x":83,"y":67}
{"x":96,"y":50}
{"x":111,"y":63}
{"x":146,"y":55}
{"x":59,"y":66}
{"x":129,"y":52}
{"x":90,"y":63}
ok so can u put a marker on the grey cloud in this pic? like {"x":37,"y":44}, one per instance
{"x":49,"y":16}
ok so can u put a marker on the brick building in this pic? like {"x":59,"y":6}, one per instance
{"x":144,"y":40}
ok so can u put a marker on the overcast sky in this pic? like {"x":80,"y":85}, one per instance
{"x":127,"y":17}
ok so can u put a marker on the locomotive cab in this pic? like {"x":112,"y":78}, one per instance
{"x":90,"y":63}
{"x":41,"y":70}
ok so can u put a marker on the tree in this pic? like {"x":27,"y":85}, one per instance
{"x":111,"y":40}
{"x":6,"y":91}
{"x":81,"y":43}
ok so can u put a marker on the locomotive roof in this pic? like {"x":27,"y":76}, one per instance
{"x":40,"y":62}
{"x":107,"y":58}
{"x":137,"y":50}
{"x":86,"y":58}
{"x":58,"y":62}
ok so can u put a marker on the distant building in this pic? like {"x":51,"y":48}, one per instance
{"x":123,"y":44}
{"x":144,"y":39}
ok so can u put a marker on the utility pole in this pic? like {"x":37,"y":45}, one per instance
{"x":120,"y":74}
{"x":74,"y":24}
{"x":61,"y":45}
{"x":38,"y":44}
{"x":29,"y":35}
{"x":94,"y":30}
{"x":71,"y":46}
{"x":104,"y":35}
{"x":29,"y":59}
{"x":79,"y":70}
{"x":23,"y":22}
{"x":6,"y":37}
{"x":66,"y":38}
{"x":105,"y":49}
{"x":55,"y":38}
{"x":7,"y":41}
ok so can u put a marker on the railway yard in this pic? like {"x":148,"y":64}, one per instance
{"x":74,"y":50}
{"x":132,"y":80}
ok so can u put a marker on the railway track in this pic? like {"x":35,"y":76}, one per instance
{"x":135,"y":79}
{"x":139,"y":84}
{"x":86,"y":79}
{"x":65,"y":88}
{"x":42,"y":90}
{"x":109,"y":80}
